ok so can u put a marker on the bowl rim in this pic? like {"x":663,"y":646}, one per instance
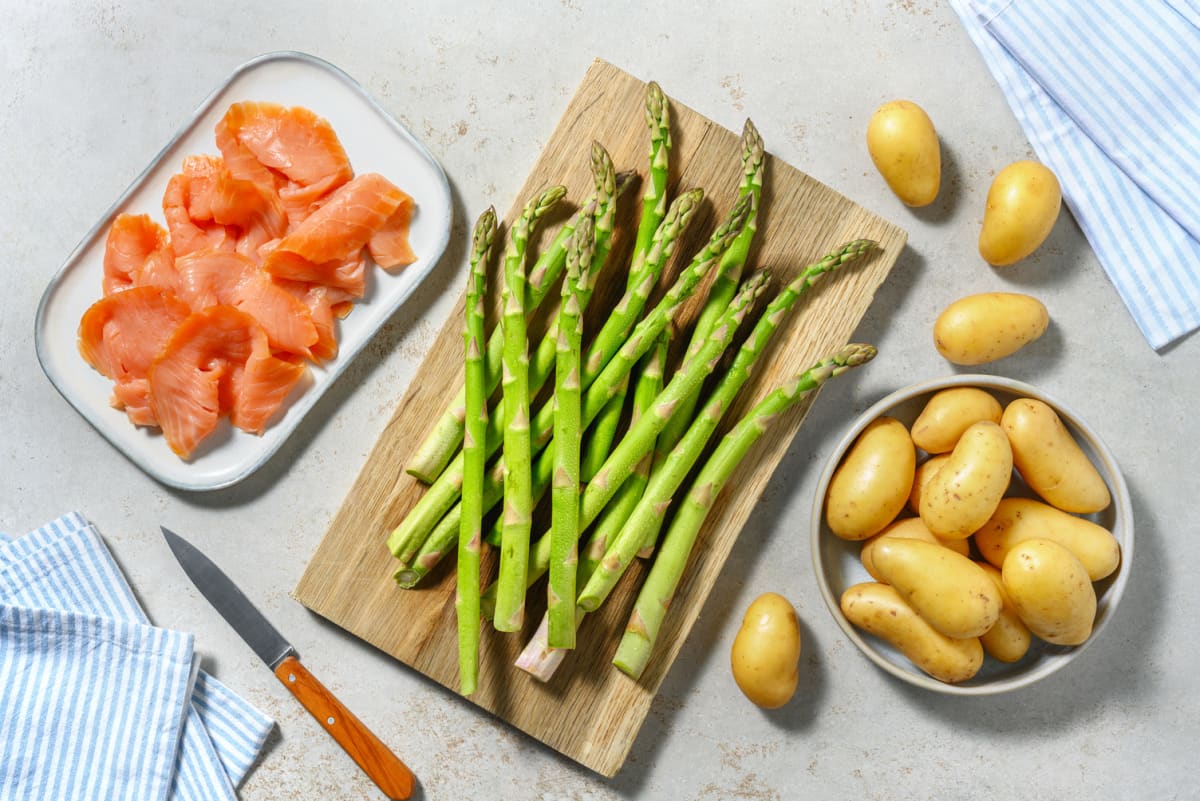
{"x":1108,"y":467}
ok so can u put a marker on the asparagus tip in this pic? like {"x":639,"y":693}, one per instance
{"x":625,"y":177}
{"x":656,"y":104}
{"x":857,"y":354}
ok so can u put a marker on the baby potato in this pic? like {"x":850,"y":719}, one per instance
{"x":964,"y":493}
{"x":1049,"y":459}
{"x":925,"y":471}
{"x":947,"y":415}
{"x":983,"y":328}
{"x":909,"y":528}
{"x":1008,"y":640}
{"x":1022,"y":205}
{"x":765,"y":656}
{"x":879,"y":610}
{"x":1020,"y":519}
{"x":1050,"y":590}
{"x":871,"y":485}
{"x":904,"y":146}
{"x":948,"y":590}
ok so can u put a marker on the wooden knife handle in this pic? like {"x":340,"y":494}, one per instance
{"x":382,"y":766}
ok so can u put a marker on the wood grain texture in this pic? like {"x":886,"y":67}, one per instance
{"x":384,"y":768}
{"x":590,"y":711}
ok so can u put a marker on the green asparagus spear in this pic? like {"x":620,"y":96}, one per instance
{"x":567,"y":432}
{"x":518,"y":512}
{"x":466,"y":596}
{"x":725,"y":283}
{"x":440,"y":445}
{"x":654,"y":199}
{"x":659,"y":588}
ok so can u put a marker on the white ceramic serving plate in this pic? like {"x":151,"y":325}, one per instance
{"x":374,"y":141}
{"x":837,"y":566}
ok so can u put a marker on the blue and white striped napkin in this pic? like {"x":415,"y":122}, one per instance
{"x":1108,"y":93}
{"x":72,"y":636}
{"x":90,"y":708}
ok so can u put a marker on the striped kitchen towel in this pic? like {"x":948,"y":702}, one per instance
{"x":65,"y":566}
{"x":1108,"y":93}
{"x":90,"y":708}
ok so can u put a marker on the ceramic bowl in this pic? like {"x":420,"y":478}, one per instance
{"x":837,"y":566}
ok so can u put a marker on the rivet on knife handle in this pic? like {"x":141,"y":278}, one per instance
{"x":376,"y":760}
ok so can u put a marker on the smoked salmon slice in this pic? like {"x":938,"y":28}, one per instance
{"x":219,"y":353}
{"x":317,"y":249}
{"x":202,"y":174}
{"x":299,"y":200}
{"x":136,"y":253}
{"x":254,"y":209}
{"x":389,"y":246}
{"x":121,"y":334}
{"x":216,"y":277}
{"x":294,"y":142}
{"x":320,"y":303}
{"x":260,"y":387}
{"x":187,"y":207}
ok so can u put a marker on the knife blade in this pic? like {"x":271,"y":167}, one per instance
{"x":383,"y":767}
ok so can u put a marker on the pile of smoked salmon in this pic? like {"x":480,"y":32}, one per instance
{"x":265,"y":247}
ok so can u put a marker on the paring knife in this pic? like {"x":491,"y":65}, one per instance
{"x":382,"y":766}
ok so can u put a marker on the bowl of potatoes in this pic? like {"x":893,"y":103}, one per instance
{"x":971,"y":534}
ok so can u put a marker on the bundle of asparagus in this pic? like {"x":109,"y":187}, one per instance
{"x":623,"y":482}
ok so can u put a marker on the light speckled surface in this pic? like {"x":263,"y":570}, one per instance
{"x":91,"y":91}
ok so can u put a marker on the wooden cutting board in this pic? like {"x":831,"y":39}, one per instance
{"x":590,"y":711}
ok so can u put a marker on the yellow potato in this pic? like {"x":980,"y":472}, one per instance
{"x":871,"y":485}
{"x":1051,"y":591}
{"x":964,"y":493}
{"x":983,"y":328}
{"x":879,"y":609}
{"x":947,"y":415}
{"x":1008,"y":640}
{"x":1049,"y":459}
{"x":765,"y":656}
{"x":904,"y":146}
{"x":1022,"y":205}
{"x":909,"y":528}
{"x":948,"y":590}
{"x":925,"y":471}
{"x":1020,"y":519}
